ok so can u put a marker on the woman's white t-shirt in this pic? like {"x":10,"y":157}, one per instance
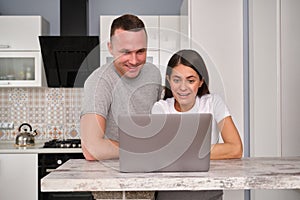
{"x":209,"y":103}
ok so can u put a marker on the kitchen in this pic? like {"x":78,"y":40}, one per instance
{"x":22,"y":104}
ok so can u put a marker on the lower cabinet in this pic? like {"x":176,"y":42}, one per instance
{"x":19,"y":176}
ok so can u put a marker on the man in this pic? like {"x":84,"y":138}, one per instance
{"x":128,"y":85}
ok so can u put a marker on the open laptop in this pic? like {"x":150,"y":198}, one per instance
{"x":165,"y":142}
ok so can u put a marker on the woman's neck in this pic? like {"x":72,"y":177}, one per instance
{"x":183,"y":108}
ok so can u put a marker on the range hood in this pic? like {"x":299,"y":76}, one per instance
{"x":71,"y":57}
{"x":69,"y":60}
{"x":73,"y":17}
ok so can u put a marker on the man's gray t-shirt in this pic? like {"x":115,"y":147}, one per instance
{"x":108,"y":94}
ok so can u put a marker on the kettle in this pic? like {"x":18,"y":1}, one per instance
{"x":25,"y":138}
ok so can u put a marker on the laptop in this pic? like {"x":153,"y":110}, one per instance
{"x":165,"y":142}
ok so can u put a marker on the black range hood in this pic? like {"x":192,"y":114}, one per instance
{"x":71,"y":57}
{"x":73,"y":17}
{"x":69,"y":60}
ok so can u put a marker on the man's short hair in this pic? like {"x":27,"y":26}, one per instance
{"x":127,"y":22}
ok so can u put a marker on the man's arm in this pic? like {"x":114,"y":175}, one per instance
{"x":94,"y":145}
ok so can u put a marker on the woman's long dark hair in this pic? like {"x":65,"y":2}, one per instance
{"x":193,"y":60}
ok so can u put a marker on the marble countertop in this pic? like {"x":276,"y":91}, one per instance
{"x":11,"y":148}
{"x":246,"y":173}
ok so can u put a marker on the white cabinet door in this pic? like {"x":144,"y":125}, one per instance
{"x":19,"y":176}
{"x":169,"y":38}
{"x":21,"y":69}
{"x":21,"y":32}
{"x":274,"y":52}
{"x":216,"y":29}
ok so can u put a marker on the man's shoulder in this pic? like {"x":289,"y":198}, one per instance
{"x":151,"y":71}
{"x":150,"y":67}
{"x":103,"y":71}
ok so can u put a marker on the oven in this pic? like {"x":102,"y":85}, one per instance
{"x":47,"y":162}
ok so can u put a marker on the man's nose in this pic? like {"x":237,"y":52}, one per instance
{"x":133,"y":59}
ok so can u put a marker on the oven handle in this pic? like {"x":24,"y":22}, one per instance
{"x":49,"y":170}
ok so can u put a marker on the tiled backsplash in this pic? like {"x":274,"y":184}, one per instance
{"x":54,"y":112}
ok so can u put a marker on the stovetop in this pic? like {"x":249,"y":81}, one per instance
{"x":68,"y":143}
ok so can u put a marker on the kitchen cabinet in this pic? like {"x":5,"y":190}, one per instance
{"x":19,"y":176}
{"x":215,"y":29}
{"x":20,"y":56}
{"x":20,"y":33}
{"x":274,"y":79}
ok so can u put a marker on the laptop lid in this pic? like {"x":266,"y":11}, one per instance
{"x":165,"y":142}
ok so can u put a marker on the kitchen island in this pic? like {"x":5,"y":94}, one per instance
{"x":104,"y":179}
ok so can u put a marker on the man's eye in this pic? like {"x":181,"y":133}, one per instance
{"x":141,"y":51}
{"x":176,"y":80}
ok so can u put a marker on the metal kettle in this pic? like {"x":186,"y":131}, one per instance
{"x":25,"y":138}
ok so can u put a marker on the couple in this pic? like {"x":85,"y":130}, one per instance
{"x":130,"y":85}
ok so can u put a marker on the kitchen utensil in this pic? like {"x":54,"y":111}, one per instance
{"x":25,"y":138}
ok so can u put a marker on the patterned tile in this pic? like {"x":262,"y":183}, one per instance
{"x":54,"y":112}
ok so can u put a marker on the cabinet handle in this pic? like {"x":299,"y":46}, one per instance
{"x":4,"y":83}
{"x":4,"y":46}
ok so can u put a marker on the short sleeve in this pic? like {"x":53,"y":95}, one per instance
{"x":220,"y":108}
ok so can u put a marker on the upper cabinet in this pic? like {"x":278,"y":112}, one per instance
{"x":20,"y":56}
{"x":19,"y":33}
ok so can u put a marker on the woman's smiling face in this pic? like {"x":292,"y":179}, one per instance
{"x":184,"y":82}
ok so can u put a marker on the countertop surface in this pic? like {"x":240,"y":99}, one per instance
{"x":9,"y":147}
{"x":246,"y":173}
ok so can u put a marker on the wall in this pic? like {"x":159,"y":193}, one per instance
{"x":49,"y":9}
{"x":54,"y":112}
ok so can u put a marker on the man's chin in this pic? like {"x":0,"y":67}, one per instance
{"x":130,"y":74}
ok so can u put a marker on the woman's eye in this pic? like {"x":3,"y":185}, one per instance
{"x":191,"y":81}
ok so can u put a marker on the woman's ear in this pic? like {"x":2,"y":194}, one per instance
{"x":168,"y":78}
{"x":201,"y":83}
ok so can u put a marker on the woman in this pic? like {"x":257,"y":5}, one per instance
{"x":187,"y":92}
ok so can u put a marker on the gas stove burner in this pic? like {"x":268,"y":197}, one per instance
{"x":69,"y":143}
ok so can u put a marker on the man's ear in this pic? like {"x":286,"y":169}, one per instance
{"x":109,"y":46}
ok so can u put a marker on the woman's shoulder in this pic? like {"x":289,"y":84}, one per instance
{"x":211,"y":97}
{"x":163,"y":106}
{"x":167,"y":102}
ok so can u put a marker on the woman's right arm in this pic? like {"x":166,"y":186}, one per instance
{"x":232,"y":146}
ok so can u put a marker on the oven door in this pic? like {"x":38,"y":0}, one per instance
{"x":47,"y":163}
